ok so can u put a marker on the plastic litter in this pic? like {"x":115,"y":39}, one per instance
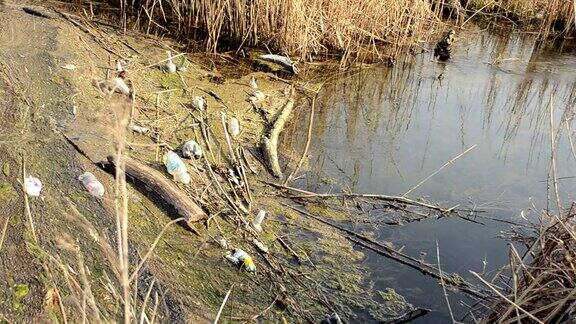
{"x":257,"y":96}
{"x":176,"y":167}
{"x":169,"y":67}
{"x":32,"y":186}
{"x":234,"y":179}
{"x":257,"y":223}
{"x":239,"y":257}
{"x":199,"y":103}
{"x":94,"y":187}
{"x":70,"y":67}
{"x":253,"y":83}
{"x":234,"y":127}
{"x":191,"y":149}
{"x":331,"y":319}
{"x":284,"y":61}
{"x":260,"y":246}
{"x":139,"y":129}
{"x":121,"y":86}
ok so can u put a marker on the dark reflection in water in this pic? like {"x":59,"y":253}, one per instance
{"x":384,"y":130}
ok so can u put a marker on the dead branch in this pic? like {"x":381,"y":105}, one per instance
{"x":269,"y":143}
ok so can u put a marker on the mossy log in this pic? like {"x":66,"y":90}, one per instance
{"x":165,"y":188}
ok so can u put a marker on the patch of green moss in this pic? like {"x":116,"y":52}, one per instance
{"x":7,"y":193}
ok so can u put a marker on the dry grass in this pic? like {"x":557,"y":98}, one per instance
{"x":306,"y":28}
{"x":543,"y":282}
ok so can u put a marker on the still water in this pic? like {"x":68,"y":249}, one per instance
{"x":383,"y":130}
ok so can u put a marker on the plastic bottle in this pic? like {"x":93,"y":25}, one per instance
{"x":33,"y":186}
{"x":234,"y":127}
{"x":257,"y":223}
{"x":240,"y":257}
{"x":176,"y":167}
{"x":94,"y":187}
{"x":191,"y":149}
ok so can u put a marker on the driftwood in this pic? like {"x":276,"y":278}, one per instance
{"x":164,"y":187}
{"x":269,"y":143}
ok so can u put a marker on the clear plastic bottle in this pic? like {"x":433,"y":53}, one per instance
{"x":176,"y":167}
{"x":234,"y":127}
{"x":92,"y":185}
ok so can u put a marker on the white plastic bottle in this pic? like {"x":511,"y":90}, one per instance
{"x":176,"y":167}
{"x":92,"y":185}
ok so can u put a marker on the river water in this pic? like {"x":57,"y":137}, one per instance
{"x":383,"y":130}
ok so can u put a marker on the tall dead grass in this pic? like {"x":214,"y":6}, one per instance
{"x":306,"y":28}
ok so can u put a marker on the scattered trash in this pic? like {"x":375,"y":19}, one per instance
{"x":332,"y":319}
{"x":32,"y":186}
{"x":223,"y":243}
{"x":253,"y":83}
{"x":70,"y":67}
{"x":121,"y":86}
{"x":94,"y":187}
{"x":260,"y":246}
{"x":74,"y":110}
{"x":121,"y":65}
{"x":257,"y":96}
{"x":139,"y":129}
{"x":191,"y":149}
{"x":170,"y":67}
{"x":239,"y":257}
{"x":284,"y":61}
{"x":234,"y":127}
{"x":199,"y":103}
{"x":257,"y":223}
{"x":176,"y":167}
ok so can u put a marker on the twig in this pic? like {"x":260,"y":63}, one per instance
{"x":308,"y":140}
{"x":442,"y":283}
{"x":223,"y":303}
{"x":442,"y":167}
{"x":506,"y":298}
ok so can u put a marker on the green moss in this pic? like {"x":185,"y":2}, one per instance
{"x":7,"y":193}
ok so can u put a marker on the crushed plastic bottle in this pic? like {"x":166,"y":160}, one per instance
{"x":234,"y":127}
{"x":176,"y":167}
{"x":263,"y":248}
{"x":199,"y":103}
{"x":191,"y":149}
{"x":239,"y":257}
{"x":257,"y":223}
{"x":139,"y":129}
{"x":169,"y":67}
{"x":32,"y":186}
{"x":94,"y":187}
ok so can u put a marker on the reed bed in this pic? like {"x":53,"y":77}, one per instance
{"x":542,"y":285}
{"x":304,"y":28}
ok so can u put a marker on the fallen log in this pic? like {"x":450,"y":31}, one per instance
{"x":269,"y":143}
{"x":165,"y":188}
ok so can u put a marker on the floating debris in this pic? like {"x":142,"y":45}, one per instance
{"x":176,"y":167}
{"x":32,"y":186}
{"x":443,"y":48}
{"x":169,"y":67}
{"x":253,"y":83}
{"x":92,"y":185}
{"x":70,"y":67}
{"x":139,"y":129}
{"x":284,"y":61}
{"x":239,"y":257}
{"x":234,"y":127}
{"x":199,"y":103}
{"x":191,"y":149}
{"x":263,"y":248}
{"x":257,"y":223}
